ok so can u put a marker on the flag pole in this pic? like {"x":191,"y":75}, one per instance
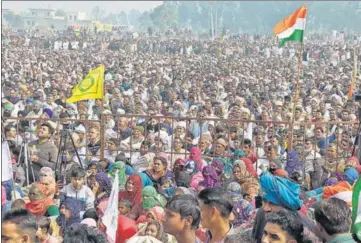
{"x":102,"y":125}
{"x":296,"y":94}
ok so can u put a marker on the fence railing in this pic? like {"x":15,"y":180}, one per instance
{"x":112,"y":134}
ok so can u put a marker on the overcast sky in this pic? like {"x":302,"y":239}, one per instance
{"x":108,"y":6}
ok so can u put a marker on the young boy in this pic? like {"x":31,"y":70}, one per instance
{"x":76,"y":188}
{"x":43,"y":232}
{"x":124,"y":207}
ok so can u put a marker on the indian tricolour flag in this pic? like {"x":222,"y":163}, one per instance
{"x":292,"y":27}
{"x":356,"y":209}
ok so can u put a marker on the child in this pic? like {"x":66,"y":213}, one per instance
{"x":43,"y":232}
{"x":124,"y":207}
{"x":77,"y":190}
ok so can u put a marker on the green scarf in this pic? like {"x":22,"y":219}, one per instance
{"x":151,"y":198}
{"x":120,"y":167}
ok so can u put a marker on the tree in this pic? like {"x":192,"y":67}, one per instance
{"x":98,"y":13}
{"x":164,"y":17}
{"x":60,"y":13}
{"x":14,"y":20}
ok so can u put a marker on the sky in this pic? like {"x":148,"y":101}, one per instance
{"x":87,"y":6}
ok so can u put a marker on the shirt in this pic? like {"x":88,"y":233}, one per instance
{"x":231,"y":237}
{"x":344,"y":238}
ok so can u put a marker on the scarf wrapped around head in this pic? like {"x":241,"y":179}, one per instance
{"x":238,"y":153}
{"x":191,"y":167}
{"x":39,"y":202}
{"x":156,"y":213}
{"x":120,"y":167}
{"x":160,"y":235}
{"x":178,"y":165}
{"x":293,"y":163}
{"x":241,"y":210}
{"x":46,"y":172}
{"x":210,"y":177}
{"x":104,"y":181}
{"x":330,"y":191}
{"x":280,"y":191}
{"x":195,"y":154}
{"x":135,"y":196}
{"x":73,"y":205}
{"x":235,"y":191}
{"x":350,"y":175}
{"x":218,"y":166}
{"x":151,"y":198}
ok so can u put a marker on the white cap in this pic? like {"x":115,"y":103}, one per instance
{"x":80,"y":129}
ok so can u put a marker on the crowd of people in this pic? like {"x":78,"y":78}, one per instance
{"x":210,"y":140}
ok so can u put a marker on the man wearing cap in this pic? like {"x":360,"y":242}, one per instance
{"x":43,"y":151}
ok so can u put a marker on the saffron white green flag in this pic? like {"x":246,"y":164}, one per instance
{"x":356,"y":209}
{"x":292,"y":27}
{"x":110,"y":218}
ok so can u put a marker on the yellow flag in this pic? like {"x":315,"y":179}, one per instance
{"x":91,"y":87}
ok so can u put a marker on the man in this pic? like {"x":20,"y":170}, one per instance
{"x":45,"y":153}
{"x":215,"y":213}
{"x":19,"y":226}
{"x":145,"y":158}
{"x":280,"y":193}
{"x":282,"y":227}
{"x":333,"y":219}
{"x":312,"y":162}
{"x":182,"y":218}
{"x":11,"y":135}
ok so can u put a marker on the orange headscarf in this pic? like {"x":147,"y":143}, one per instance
{"x":39,"y":202}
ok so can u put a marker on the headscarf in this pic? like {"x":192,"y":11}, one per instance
{"x":182,"y":178}
{"x":185,"y":190}
{"x":120,"y":166}
{"x":104,"y":181}
{"x":235,"y":191}
{"x":293,"y":163}
{"x":350,"y":175}
{"x":197,"y":157}
{"x":39,"y":202}
{"x":241,"y":164}
{"x":280,"y":191}
{"x":157,"y":213}
{"x":146,"y":181}
{"x":330,"y":191}
{"x":46,"y":172}
{"x":49,"y":192}
{"x":191,"y":167}
{"x":210,"y":177}
{"x":218,"y":166}
{"x":135,"y":197}
{"x":160,"y":235}
{"x":238,"y":153}
{"x":178,"y":165}
{"x":75,"y":207}
{"x":151,"y":198}
{"x":241,"y":210}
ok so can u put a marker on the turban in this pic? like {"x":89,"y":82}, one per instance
{"x":48,"y":112}
{"x":350,"y":175}
{"x":281,"y":191}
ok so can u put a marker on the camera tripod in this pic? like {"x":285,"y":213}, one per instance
{"x":64,"y":134}
{"x":24,"y":150}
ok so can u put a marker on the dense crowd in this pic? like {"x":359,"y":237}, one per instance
{"x":210,"y":141}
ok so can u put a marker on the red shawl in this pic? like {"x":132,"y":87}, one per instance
{"x":135,"y":197}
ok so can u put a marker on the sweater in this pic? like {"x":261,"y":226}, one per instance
{"x":84,"y":194}
{"x":47,"y":153}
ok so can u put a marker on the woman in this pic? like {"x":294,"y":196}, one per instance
{"x":196,"y":156}
{"x":70,"y":210}
{"x":240,"y":172}
{"x":47,"y":179}
{"x":126,"y":229}
{"x":133,"y":193}
{"x":40,"y":204}
{"x":293,"y":163}
{"x":151,"y":198}
{"x":101,"y":188}
{"x":155,"y":229}
{"x":242,"y":209}
{"x":158,"y":170}
{"x":119,"y":167}
{"x":196,"y":176}
{"x":179,"y":165}
{"x":210,"y":178}
{"x":219,"y":167}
